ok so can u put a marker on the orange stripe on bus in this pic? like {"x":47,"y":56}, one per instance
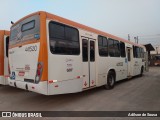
{"x":43,"y":56}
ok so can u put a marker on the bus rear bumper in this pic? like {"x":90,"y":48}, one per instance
{"x":38,"y":88}
{"x":65,"y":87}
{"x":45,"y":88}
{"x":3,"y":80}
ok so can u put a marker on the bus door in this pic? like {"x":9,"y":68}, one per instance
{"x":89,"y":65}
{"x":129,"y":59}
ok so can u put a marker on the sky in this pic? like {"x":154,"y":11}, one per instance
{"x":118,"y":17}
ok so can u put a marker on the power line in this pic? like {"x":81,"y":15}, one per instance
{"x":151,"y":38}
{"x":149,"y":35}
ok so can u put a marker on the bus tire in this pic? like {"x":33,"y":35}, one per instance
{"x":110,"y":81}
{"x":142,"y":70}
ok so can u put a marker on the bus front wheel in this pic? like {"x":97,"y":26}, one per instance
{"x":110,"y":81}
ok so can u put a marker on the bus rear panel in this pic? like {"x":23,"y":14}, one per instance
{"x":25,"y":67}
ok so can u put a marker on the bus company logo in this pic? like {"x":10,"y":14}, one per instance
{"x":21,"y":115}
{"x":69,"y":60}
{"x":6,"y":114}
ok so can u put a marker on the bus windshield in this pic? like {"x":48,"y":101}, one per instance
{"x":157,"y":57}
{"x":28,"y":29}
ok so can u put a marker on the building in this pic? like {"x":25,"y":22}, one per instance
{"x":153,"y":54}
{"x":149,"y":49}
{"x":156,"y":51}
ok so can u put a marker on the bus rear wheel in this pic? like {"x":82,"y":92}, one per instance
{"x":142,"y":70}
{"x":110,"y":81}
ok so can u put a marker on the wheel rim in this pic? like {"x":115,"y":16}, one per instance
{"x":111,"y":80}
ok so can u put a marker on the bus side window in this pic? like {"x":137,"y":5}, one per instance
{"x":111,"y":47}
{"x":116,"y":48}
{"x":7,"y":44}
{"x":134,"y":51}
{"x":64,"y":40}
{"x":140,"y":51}
{"x":142,"y":54}
{"x":92,"y":51}
{"x":122,"y":49}
{"x":103,"y":46}
{"x":85,"y":50}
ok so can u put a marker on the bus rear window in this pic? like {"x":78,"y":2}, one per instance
{"x":28,"y":26}
{"x":25,"y":30}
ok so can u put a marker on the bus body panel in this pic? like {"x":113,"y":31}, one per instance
{"x":1,"y":53}
{"x":41,"y":88}
{"x":6,"y":71}
{"x":4,"y":36}
{"x":68,"y":82}
{"x":25,"y":67}
{"x":137,"y":66}
{"x":58,"y":70}
{"x":1,"y":58}
{"x":139,"y":63}
{"x":104,"y":66}
{"x":64,"y":87}
{"x":24,"y":52}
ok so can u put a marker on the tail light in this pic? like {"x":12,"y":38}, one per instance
{"x":39,"y":72}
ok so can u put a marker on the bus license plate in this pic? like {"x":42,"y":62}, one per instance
{"x":21,"y":73}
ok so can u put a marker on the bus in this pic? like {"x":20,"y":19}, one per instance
{"x":52,"y":55}
{"x":157,"y":60}
{"x":4,"y":42}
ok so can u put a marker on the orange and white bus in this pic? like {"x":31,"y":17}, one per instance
{"x":4,"y":42}
{"x":157,"y":60}
{"x":52,"y":55}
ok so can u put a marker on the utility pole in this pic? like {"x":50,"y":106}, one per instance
{"x":129,"y":37}
{"x":137,"y":40}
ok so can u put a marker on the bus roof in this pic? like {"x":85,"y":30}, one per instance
{"x":4,"y":32}
{"x":78,"y":25}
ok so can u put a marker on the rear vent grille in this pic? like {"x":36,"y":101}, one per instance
{"x":29,"y":80}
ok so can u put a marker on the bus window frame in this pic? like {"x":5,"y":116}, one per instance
{"x":100,"y":46}
{"x":121,"y":49}
{"x":62,"y":24}
{"x":28,"y":28}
